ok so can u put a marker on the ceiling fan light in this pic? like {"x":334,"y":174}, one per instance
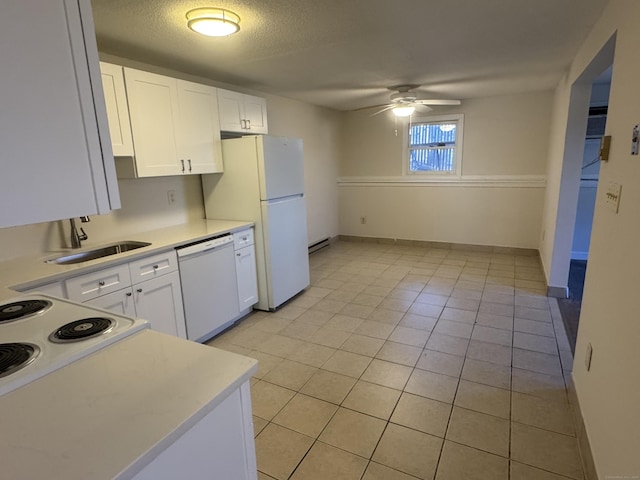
{"x":403,"y":111}
{"x":213,"y":22}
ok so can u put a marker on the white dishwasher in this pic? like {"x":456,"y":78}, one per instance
{"x":209,"y":287}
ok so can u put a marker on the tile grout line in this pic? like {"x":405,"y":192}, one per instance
{"x":414,"y":368}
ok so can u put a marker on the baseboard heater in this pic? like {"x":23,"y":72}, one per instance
{"x":319,"y":245}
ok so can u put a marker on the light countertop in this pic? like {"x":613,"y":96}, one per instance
{"x":27,"y":272}
{"x":109,"y":414}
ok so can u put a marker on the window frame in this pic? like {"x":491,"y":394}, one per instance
{"x":434,"y":119}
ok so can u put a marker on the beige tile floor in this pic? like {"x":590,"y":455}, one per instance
{"x":405,"y":362}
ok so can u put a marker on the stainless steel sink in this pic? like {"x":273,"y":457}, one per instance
{"x":106,"y":251}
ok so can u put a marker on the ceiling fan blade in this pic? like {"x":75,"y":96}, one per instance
{"x":437,"y":102}
{"x":370,"y":106}
{"x":385,"y":109}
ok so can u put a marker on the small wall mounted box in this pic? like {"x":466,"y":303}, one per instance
{"x":605,"y":146}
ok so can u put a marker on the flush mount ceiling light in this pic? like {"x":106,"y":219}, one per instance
{"x":213,"y":22}
{"x":403,"y":111}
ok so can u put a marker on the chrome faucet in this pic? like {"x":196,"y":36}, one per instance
{"x":77,"y":238}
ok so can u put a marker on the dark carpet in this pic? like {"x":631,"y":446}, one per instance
{"x":570,"y":307}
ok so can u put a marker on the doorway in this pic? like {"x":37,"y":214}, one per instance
{"x":570,"y":307}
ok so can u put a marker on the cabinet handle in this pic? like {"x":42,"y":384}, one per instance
{"x":101,"y":283}
{"x":238,"y":254}
{"x":248,"y":124}
{"x":243,"y":124}
{"x":139,"y":290}
{"x":182,"y":162}
{"x":128,"y":294}
{"x":189,"y":164}
{"x":155,"y":267}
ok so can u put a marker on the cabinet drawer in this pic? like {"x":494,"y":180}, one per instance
{"x":243,"y":239}
{"x":92,"y":285}
{"x":153,"y":266}
{"x":55,"y":289}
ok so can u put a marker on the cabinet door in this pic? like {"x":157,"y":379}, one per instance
{"x":231,"y":111}
{"x":159,"y":301}
{"x":56,"y":155}
{"x":246,"y":277}
{"x":255,"y":114}
{"x":199,"y":128}
{"x":120,"y":302}
{"x":153,"y":108}
{"x":117,"y":109}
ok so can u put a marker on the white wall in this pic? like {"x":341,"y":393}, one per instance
{"x":609,"y":394}
{"x":498,"y":200}
{"x":144,"y":201}
{"x":319,"y":129}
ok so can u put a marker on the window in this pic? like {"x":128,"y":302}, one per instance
{"x":435,"y":145}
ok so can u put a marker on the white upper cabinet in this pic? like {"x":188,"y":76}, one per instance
{"x":56,"y":151}
{"x":153,"y":108}
{"x":199,"y":139}
{"x":255,"y":113}
{"x":174,"y":124}
{"x":115,"y":98}
{"x":242,"y":113}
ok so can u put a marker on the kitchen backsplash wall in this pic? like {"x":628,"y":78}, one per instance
{"x":145,"y":206}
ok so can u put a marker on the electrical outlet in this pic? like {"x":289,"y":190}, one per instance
{"x":363,"y":220}
{"x":171,"y":196}
{"x":613,"y":196}
{"x":587,"y":357}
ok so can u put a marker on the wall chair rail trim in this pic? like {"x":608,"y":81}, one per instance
{"x":486,"y":181}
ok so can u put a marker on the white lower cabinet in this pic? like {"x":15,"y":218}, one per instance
{"x":55,"y":289}
{"x":148,"y":288}
{"x":159,"y":301}
{"x":220,"y":446}
{"x":246,"y":277}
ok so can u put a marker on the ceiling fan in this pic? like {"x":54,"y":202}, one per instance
{"x":405,"y":100}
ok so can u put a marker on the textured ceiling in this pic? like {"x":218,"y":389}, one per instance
{"x":344,"y":54}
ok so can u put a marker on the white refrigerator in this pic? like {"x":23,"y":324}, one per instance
{"x":263,"y":182}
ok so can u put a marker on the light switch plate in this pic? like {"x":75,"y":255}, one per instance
{"x":613,"y":196}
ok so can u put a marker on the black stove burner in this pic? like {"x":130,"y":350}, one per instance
{"x":21,"y":309}
{"x":14,"y":356}
{"x":81,"y":329}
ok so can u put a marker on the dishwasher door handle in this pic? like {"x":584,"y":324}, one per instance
{"x":206,"y":246}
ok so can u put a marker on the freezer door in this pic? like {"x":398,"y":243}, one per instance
{"x":281,"y":167}
{"x":286,"y":250}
